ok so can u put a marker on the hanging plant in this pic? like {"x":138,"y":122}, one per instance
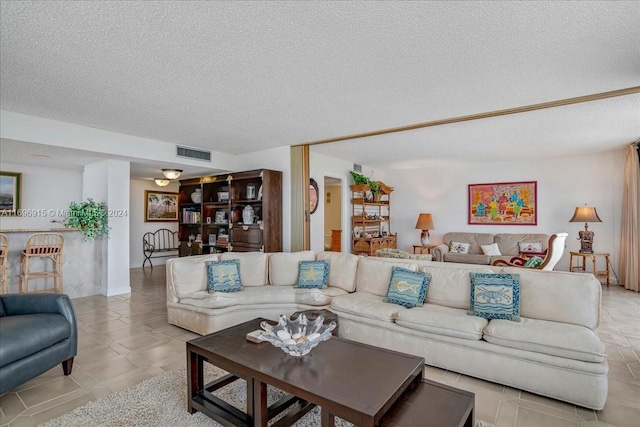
{"x":90,"y":217}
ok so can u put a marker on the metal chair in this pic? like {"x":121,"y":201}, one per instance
{"x":556,"y":249}
{"x":4,"y":267}
{"x":42,"y":246}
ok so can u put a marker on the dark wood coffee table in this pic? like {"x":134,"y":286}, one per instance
{"x":356,"y":382}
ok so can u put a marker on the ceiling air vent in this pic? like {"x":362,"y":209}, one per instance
{"x":190,"y":153}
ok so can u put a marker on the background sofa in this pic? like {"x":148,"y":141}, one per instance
{"x":398,"y":254}
{"x":507,"y":243}
{"x":553,"y":351}
{"x":37,"y":331}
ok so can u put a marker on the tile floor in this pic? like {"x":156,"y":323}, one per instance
{"x":126,"y":339}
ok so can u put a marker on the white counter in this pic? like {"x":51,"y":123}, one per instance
{"x":81,"y":262}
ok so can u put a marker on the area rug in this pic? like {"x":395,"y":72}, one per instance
{"x":162,"y":401}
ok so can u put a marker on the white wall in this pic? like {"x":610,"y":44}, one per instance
{"x":138,"y":227}
{"x":321,"y":165}
{"x":21,"y":127}
{"x":108,"y":181}
{"x":46,"y":192}
{"x":564,"y":183}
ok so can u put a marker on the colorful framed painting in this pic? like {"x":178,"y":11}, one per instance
{"x":160,"y":206}
{"x":10,"y":190}
{"x":503,"y":203}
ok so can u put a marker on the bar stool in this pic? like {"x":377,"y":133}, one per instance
{"x":4,"y":253}
{"x":43,"y":246}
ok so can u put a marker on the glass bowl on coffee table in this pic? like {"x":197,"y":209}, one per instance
{"x":296,"y":337}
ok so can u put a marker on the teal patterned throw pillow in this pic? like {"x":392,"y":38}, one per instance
{"x":407,"y":288}
{"x":313,"y":274}
{"x":533,"y":262}
{"x":224,"y":276}
{"x":495,"y":296}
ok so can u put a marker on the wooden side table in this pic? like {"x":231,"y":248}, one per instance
{"x":582,"y":265}
{"x":419,"y":249}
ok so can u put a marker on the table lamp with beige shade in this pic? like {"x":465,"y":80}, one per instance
{"x":425,"y":223}
{"x":586,"y":214}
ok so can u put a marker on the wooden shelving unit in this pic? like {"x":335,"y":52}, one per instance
{"x":371,"y":221}
{"x":224,"y":198}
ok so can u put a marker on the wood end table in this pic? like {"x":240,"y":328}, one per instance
{"x":582,"y":265}
{"x":419,"y":249}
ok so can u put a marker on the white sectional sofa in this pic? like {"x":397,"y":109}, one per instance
{"x":553,"y":350}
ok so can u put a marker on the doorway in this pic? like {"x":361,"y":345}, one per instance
{"x":332,"y":214}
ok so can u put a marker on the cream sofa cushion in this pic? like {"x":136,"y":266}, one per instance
{"x":476,"y":240}
{"x":342,"y":269}
{"x":559,"y":296}
{"x":467,"y":258}
{"x":256,"y":296}
{"x":552,"y":338}
{"x":318,"y":297}
{"x":253,"y":267}
{"x":450,"y":284}
{"x":508,"y":243}
{"x":283,"y":266}
{"x":373,"y":275}
{"x":452,"y":322}
{"x":366,"y":305}
{"x":189,"y":274}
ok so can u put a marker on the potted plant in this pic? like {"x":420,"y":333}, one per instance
{"x":360,"y":179}
{"x":90,"y":217}
{"x":377,"y":187}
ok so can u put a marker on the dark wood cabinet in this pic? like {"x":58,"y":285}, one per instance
{"x":240,"y":211}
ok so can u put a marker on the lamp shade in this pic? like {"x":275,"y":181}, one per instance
{"x":172,"y":173}
{"x":585,"y":214}
{"x":161,"y":182}
{"x":425,"y":222}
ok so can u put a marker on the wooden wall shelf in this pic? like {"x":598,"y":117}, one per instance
{"x":371,"y":218}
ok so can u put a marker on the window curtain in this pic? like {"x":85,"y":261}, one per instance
{"x":630,"y":242}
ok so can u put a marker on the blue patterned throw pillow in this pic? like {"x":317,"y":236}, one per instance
{"x":495,"y":296}
{"x":313,"y":274}
{"x":224,"y":276}
{"x":407,"y":288}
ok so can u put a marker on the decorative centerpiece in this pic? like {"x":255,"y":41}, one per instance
{"x":196,"y":196}
{"x":296,"y":337}
{"x":247,"y":214}
{"x":251,"y":191}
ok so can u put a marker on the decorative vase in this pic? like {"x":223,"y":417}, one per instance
{"x":247,"y":215}
{"x":235,"y":214}
{"x":251,"y":191}
{"x":196,"y":196}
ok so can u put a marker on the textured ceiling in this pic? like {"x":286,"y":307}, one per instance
{"x":238,"y":77}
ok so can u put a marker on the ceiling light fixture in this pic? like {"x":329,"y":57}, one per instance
{"x":172,"y":173}
{"x":161,"y":182}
